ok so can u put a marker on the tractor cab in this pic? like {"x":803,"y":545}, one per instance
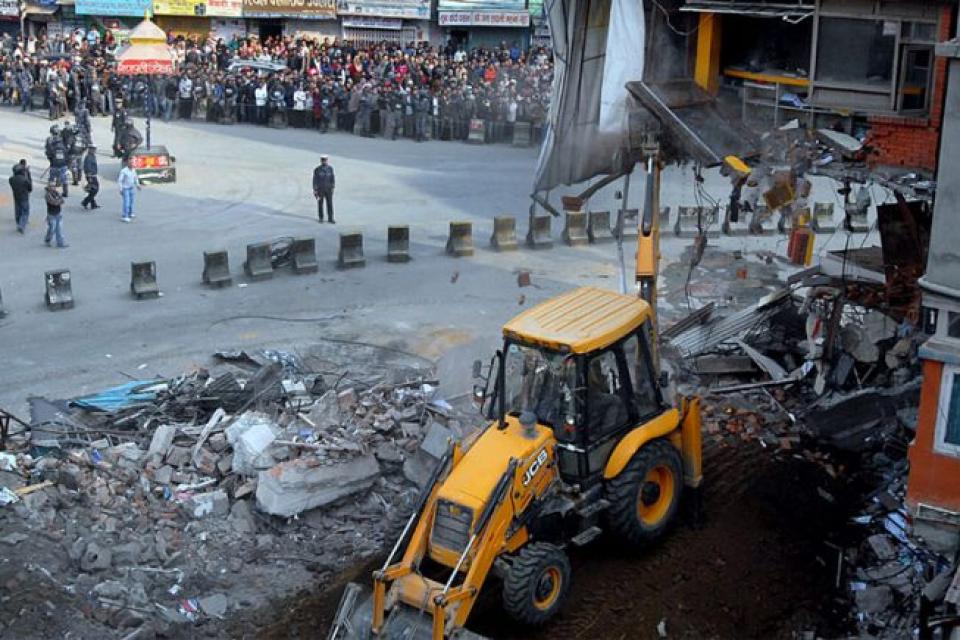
{"x":580,"y":364}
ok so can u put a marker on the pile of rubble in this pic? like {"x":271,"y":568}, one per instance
{"x":174,"y":502}
{"x":826,"y":370}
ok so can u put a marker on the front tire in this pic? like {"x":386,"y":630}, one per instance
{"x":645,"y":497}
{"x":536,"y":584}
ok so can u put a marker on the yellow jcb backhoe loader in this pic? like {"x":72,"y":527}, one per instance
{"x":580,"y":440}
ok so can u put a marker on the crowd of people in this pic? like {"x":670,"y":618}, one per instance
{"x":417,"y":91}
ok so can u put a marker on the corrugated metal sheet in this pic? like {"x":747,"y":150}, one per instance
{"x":703,"y":338}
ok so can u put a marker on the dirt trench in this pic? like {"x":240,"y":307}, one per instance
{"x":757,"y":566}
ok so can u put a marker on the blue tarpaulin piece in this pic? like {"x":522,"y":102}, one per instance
{"x":120,"y":397}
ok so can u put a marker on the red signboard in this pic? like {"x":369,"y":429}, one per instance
{"x":145,"y":67}
{"x":144,"y":161}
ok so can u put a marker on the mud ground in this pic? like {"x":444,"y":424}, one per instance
{"x":756,"y":567}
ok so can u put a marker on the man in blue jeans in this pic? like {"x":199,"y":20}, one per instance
{"x":128,"y":180}
{"x":21,"y":184}
{"x":54,"y":216}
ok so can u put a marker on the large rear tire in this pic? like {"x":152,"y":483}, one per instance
{"x":645,"y":497}
{"x":536,"y":584}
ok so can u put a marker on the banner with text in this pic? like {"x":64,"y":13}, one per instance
{"x":225,"y":8}
{"x":484,"y":19}
{"x":303,"y":9}
{"x":9,"y":8}
{"x":135,"y":8}
{"x":411,"y":9}
{"x":179,"y":8}
{"x":481,"y":5}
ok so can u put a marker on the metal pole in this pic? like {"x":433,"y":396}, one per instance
{"x":149,"y":108}
{"x":620,"y":220}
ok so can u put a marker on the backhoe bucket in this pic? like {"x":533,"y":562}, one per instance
{"x":355,"y":617}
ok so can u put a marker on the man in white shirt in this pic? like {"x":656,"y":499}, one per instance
{"x":185,"y":90}
{"x":260,"y":99}
{"x":128,"y":181}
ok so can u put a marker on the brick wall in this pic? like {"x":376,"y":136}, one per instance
{"x":913,"y":142}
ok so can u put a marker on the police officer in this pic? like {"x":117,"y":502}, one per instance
{"x":363,"y":112}
{"x":72,"y":143}
{"x":323,"y":184}
{"x":117,"y":125}
{"x":83,"y":120}
{"x":93,"y":182}
{"x":56,"y":154}
{"x":422,"y":109}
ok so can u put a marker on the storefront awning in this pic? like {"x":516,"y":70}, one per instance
{"x":37,"y":10}
{"x":793,"y":10}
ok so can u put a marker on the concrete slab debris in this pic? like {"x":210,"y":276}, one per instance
{"x":292,"y":487}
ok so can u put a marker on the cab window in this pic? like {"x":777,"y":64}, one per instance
{"x":645,"y":398}
{"x":607,"y":393}
{"x":539,"y":381}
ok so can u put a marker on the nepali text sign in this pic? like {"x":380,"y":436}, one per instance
{"x":484,"y":19}
{"x":481,"y":5}
{"x":135,"y":8}
{"x":154,"y":67}
{"x":9,"y":8}
{"x":225,"y":8}
{"x":316,"y":9}
{"x":412,"y":9}
{"x":179,"y":8}
{"x":372,"y":22}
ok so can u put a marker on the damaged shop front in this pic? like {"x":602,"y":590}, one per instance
{"x":863,"y":67}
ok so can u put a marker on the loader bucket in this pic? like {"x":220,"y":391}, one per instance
{"x":355,"y":617}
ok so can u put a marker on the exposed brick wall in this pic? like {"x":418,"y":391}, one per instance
{"x":913,"y":142}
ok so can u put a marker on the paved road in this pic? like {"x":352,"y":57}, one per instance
{"x":240,"y":184}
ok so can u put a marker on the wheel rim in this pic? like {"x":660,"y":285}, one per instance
{"x":548,"y":588}
{"x":655,"y":495}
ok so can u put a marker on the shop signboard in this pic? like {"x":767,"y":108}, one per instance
{"x":301,"y":9}
{"x":482,"y":5}
{"x":134,"y":8}
{"x":372,"y":22}
{"x":179,"y":8}
{"x":410,"y":9}
{"x":9,"y":8}
{"x":225,"y":8}
{"x":484,"y":19}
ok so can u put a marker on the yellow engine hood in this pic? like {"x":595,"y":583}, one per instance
{"x":473,"y":479}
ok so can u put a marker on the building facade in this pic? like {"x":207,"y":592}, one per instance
{"x":865,"y":66}
{"x":469,"y":22}
{"x":933,"y":487}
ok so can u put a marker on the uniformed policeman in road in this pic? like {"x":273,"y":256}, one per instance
{"x":93,"y":182}
{"x":323,"y":185}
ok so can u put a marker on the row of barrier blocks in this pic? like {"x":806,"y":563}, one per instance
{"x":580,"y":228}
{"x":691,"y":220}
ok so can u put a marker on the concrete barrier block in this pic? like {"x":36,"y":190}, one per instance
{"x":598,"y":227}
{"x":504,"y":236}
{"x":350,"y":255}
{"x":521,"y":134}
{"x":303,"y":255}
{"x":575,"y":228}
{"x":631,"y":218}
{"x":258,"y":265}
{"x":216,"y":269}
{"x":59,"y":289}
{"x":822,"y":221}
{"x":538,"y":235}
{"x":460,"y":240}
{"x":691,"y":220}
{"x":143,"y":280}
{"x":398,"y":243}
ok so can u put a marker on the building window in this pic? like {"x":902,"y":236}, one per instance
{"x":874,"y":65}
{"x":858,"y":52}
{"x":947,"y":436}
